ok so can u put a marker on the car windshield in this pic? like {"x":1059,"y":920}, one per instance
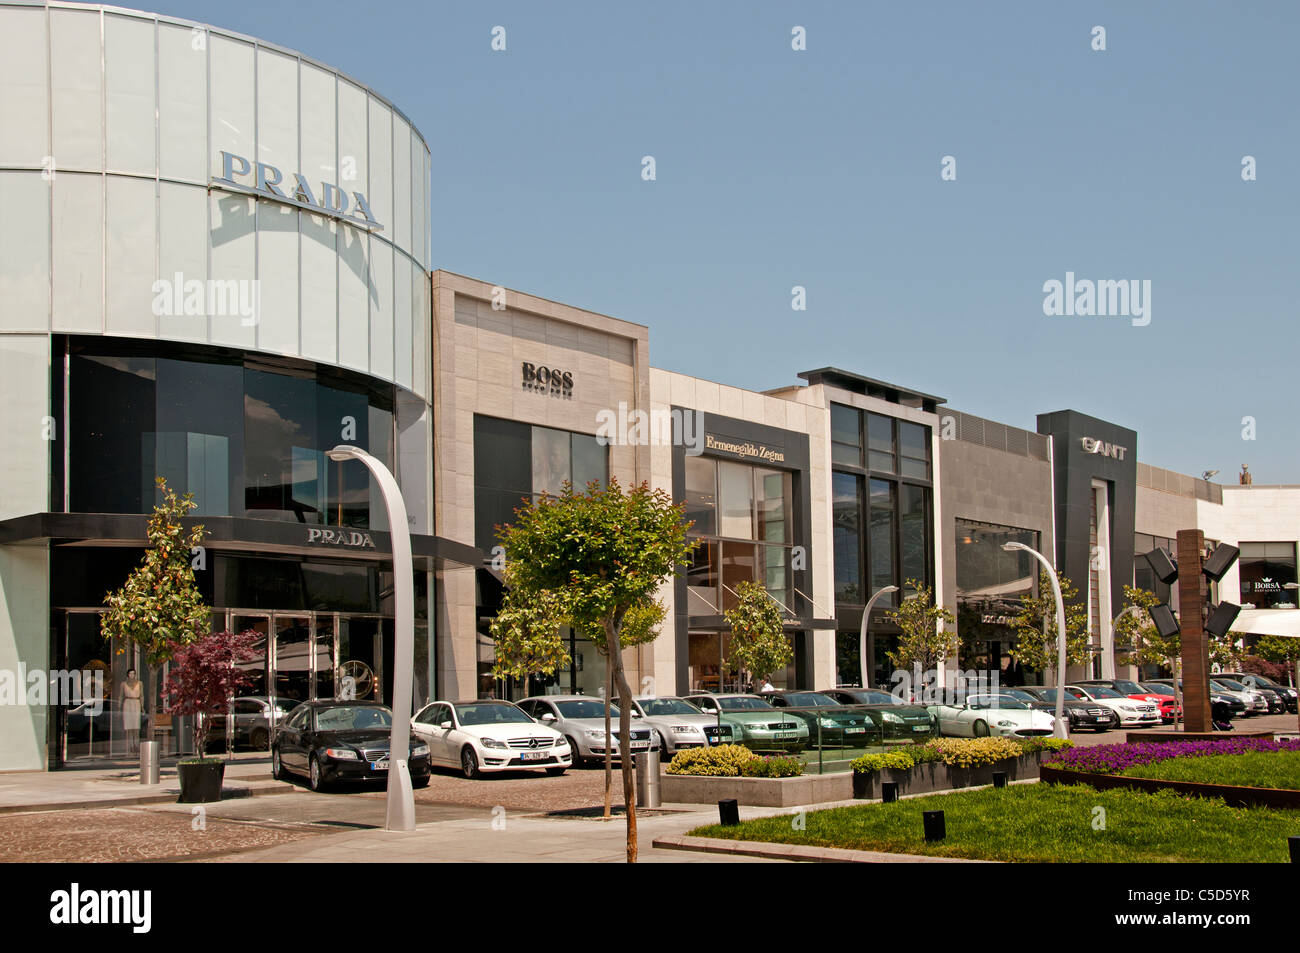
{"x":585,"y":709}
{"x":742,"y":703}
{"x":1101,"y":691}
{"x":1049,"y":695}
{"x":1228,"y":684}
{"x":667,"y":706}
{"x":353,"y":718}
{"x":809,"y":699}
{"x":873,"y":698}
{"x":1018,"y":694}
{"x":1002,"y":702}
{"x":490,"y":713}
{"x":1261,"y":680}
{"x":1128,"y":688}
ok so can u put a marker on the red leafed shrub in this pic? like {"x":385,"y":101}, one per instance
{"x":204,"y":678}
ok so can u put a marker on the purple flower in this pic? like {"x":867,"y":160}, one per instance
{"x":1114,"y":758}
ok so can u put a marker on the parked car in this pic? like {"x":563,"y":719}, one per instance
{"x":331,"y":741}
{"x":1080,"y":714}
{"x":678,"y":723}
{"x":255,"y":717}
{"x":980,"y":716}
{"x":581,"y":719}
{"x":1223,"y":707}
{"x":901,"y":721}
{"x":1256,"y":703}
{"x":1165,"y":701}
{"x":483,"y":736}
{"x":1273,"y":699}
{"x":754,"y":722}
{"x":830,"y":723}
{"x":1289,"y":695}
{"x":1131,"y":713}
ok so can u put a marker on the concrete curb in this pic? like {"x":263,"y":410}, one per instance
{"x":800,"y":852}
{"x":136,"y":800}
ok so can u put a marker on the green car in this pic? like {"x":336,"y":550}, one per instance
{"x":830,"y":723}
{"x":754,"y":723}
{"x":902,"y":723}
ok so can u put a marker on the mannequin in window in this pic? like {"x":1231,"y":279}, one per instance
{"x":132,"y":696}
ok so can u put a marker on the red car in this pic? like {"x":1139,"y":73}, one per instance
{"x":1168,"y":703}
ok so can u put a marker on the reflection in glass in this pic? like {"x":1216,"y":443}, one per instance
{"x":882,"y":538}
{"x":736,"y":491}
{"x":702,"y":494}
{"x":846,"y":522}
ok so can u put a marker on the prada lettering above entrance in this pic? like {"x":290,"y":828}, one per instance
{"x":338,"y":537}
{"x":266,"y":180}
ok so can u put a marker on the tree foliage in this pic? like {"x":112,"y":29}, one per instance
{"x":926,"y":639}
{"x":204,"y":677}
{"x":592,"y":560}
{"x":1146,"y":646}
{"x":1037,"y":646}
{"x":759,"y":645}
{"x":1278,"y":649}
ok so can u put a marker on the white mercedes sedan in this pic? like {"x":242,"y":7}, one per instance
{"x":489,"y":735}
{"x":983,"y":716}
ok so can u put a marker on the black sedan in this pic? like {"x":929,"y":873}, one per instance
{"x":330,"y":741}
{"x":899,"y":720}
{"x":1223,"y":708}
{"x":830,"y":724}
{"x":1079,"y":712}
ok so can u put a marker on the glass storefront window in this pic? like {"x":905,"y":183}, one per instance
{"x":880,"y":443}
{"x":990,"y":582}
{"x":701,"y":495}
{"x":882,"y":537}
{"x":1264,"y":570}
{"x":913,"y":539}
{"x":914,"y":450}
{"x":846,"y":435}
{"x":736,"y":497}
{"x":846,"y":521}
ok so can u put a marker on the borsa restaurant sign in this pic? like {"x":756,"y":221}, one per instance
{"x":265,"y":181}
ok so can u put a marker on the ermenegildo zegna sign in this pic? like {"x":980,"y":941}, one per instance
{"x":745,"y":449}
{"x":266,"y":182}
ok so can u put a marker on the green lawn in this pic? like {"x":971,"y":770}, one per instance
{"x":1044,"y":823}
{"x":1257,"y":769}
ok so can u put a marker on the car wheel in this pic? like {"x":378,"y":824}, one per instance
{"x":556,"y":772}
{"x":421,"y":782}
{"x":258,"y":739}
{"x":277,"y":768}
{"x":469,"y":763}
{"x":663,"y":747}
{"x":980,"y":729}
{"x":316,"y":777}
{"x":577,"y":756}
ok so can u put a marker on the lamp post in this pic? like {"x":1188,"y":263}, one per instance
{"x":401,"y":797}
{"x":1296,"y":676}
{"x":862,"y":637}
{"x":1062,"y":730}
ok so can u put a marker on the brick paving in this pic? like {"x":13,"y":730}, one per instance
{"x":523,"y":790}
{"x":119,"y":835}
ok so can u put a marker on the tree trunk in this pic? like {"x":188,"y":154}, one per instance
{"x":624,"y":737}
{"x":609,"y":755}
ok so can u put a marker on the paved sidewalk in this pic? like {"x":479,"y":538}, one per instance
{"x":117,"y":787}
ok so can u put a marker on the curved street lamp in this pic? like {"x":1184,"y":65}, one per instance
{"x":862,"y":637}
{"x":401,"y":797}
{"x":1062,"y":730}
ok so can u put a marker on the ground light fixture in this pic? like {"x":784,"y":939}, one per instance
{"x":862,"y":636}
{"x":401,"y":796}
{"x":1062,"y":731}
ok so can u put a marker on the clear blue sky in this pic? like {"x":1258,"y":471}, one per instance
{"x":821,"y":168}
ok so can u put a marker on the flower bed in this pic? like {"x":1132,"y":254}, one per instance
{"x":1114,"y":758}
{"x":730,"y":761}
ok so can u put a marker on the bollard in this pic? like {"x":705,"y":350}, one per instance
{"x":647,"y":779}
{"x":1293,"y":844}
{"x":999,"y":779}
{"x":729,"y":812}
{"x":934,"y":825}
{"x":148,"y":762}
{"x":888,"y":792}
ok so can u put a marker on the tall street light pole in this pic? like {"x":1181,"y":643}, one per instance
{"x":1296,"y":678}
{"x":1062,"y":730}
{"x":862,"y":637}
{"x":401,"y":797}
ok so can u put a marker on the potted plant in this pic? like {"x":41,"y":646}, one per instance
{"x":204,"y":677}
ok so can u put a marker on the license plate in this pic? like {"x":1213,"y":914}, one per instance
{"x":378,"y":765}
{"x":784,"y":734}
{"x":534,"y":755}
{"x":638,"y":745}
{"x":920,"y":727}
{"x":856,"y":731}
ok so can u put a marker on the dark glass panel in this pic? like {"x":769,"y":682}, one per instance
{"x":913,"y":440}
{"x":551,"y":460}
{"x":772,"y":493}
{"x":702,"y":494}
{"x":199,"y":443}
{"x":702,"y":578}
{"x":738,"y":565}
{"x":112,"y":403}
{"x":846,"y":425}
{"x":846,"y":521}
{"x":590,"y":462}
{"x":912,"y":536}
{"x":281,"y":458}
{"x":503,"y":455}
{"x":882,"y":538}
{"x":343,"y":417}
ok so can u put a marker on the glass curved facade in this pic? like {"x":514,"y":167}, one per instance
{"x":246,"y":433}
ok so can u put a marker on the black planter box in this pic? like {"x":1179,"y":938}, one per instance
{"x":937,"y":776}
{"x":201,"y":781}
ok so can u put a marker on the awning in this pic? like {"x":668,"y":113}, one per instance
{"x":1284,"y":622}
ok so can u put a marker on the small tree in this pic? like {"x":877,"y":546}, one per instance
{"x":601,"y":555}
{"x":1282,"y":650}
{"x":204,"y":677}
{"x":1037,"y":646}
{"x":759,"y":645}
{"x":1134,"y":630}
{"x":926,"y":640}
{"x":159,"y":607}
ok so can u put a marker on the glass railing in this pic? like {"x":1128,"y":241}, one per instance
{"x":825,"y":738}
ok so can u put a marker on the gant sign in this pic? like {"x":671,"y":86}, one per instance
{"x":1103,"y":449}
{"x":267,"y":182}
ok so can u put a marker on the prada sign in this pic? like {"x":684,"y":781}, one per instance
{"x":1103,"y":449}
{"x":265,"y":181}
{"x":338,"y":537}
